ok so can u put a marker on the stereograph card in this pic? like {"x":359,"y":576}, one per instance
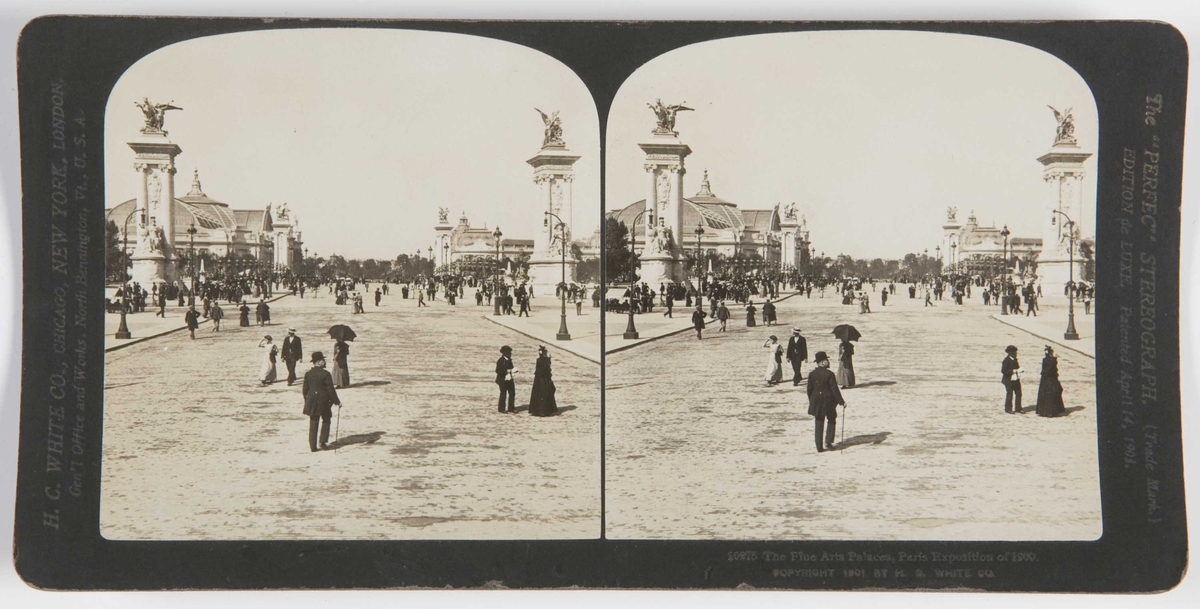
{"x":712,"y":305}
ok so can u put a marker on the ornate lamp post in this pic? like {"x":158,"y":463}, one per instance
{"x":496,"y":279}
{"x":937,"y":251}
{"x":699,"y":261}
{"x":1004,"y":272}
{"x":954,"y":255}
{"x":631,"y":332}
{"x":563,"y":334}
{"x":1070,"y":334}
{"x":192,"y":262}
{"x":123,"y":330}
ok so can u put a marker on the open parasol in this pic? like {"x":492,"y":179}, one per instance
{"x":846,"y":332}
{"x":342,"y":332}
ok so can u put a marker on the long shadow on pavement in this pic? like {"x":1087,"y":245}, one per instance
{"x":361,"y":438}
{"x":874,"y":438}
{"x":874,"y":384}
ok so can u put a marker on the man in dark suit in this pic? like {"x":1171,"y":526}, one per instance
{"x":1010,"y":369}
{"x":293,"y":352}
{"x":823,"y":399}
{"x":722,"y":315}
{"x":264,"y":312}
{"x":797,"y":354}
{"x":319,"y":399}
{"x":504,"y":378}
{"x":192,"y":319}
{"x":698,"y":321}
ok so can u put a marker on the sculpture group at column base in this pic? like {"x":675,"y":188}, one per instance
{"x":545,"y":275}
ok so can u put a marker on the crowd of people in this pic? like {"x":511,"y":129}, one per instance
{"x":825,"y":385}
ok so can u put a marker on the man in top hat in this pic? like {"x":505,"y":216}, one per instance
{"x":192,"y":319}
{"x":319,"y":399}
{"x":293,"y":351}
{"x":504,"y":378}
{"x":1010,"y":369}
{"x":823,"y":399}
{"x":797,"y":354}
{"x":698,"y":321}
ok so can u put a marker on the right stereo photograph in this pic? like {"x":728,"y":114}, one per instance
{"x":849,"y":292}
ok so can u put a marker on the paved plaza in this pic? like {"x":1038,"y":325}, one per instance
{"x":195,"y":448}
{"x":697,"y":447}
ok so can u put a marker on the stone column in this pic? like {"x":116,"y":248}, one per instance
{"x":168,"y":216}
{"x":651,"y":215}
{"x":541,"y":240}
{"x":569,"y":204}
{"x":142,"y":206}
{"x":553,"y":166}
{"x":664,"y":153}
{"x":1062,"y":170}
{"x":153,"y":151}
{"x":675,"y":219}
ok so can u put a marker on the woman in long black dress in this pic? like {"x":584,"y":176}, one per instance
{"x":1049,"y":399}
{"x":750,"y":311}
{"x":341,"y":368}
{"x":845,"y":371}
{"x":244,"y":318}
{"x":541,"y":402}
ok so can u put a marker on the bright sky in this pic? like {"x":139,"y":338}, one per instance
{"x":364,"y":133}
{"x":872,"y":134}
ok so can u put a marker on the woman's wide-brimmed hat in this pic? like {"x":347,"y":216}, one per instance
{"x":821,"y":357}
{"x":267,"y":337}
{"x":773,"y":337}
{"x":317,"y":356}
{"x":506,"y":349}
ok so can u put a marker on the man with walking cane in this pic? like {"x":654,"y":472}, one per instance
{"x":319,"y":398}
{"x":823,"y":399}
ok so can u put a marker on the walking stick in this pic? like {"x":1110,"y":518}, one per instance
{"x":843,"y":440}
{"x":337,"y":426}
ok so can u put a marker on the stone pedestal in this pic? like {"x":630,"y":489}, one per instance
{"x":152,"y":268}
{"x":554,"y":174}
{"x":1063,"y":173}
{"x":664,"y":167}
{"x":545,"y":275}
{"x":660,"y":269}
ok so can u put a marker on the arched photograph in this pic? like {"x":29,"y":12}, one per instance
{"x":851,"y":279}
{"x":352,"y":291}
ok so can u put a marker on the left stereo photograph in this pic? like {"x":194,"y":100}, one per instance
{"x":351,"y":291}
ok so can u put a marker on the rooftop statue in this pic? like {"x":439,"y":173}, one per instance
{"x":553,"y":135}
{"x":666,"y":116}
{"x":951,"y":214}
{"x":155,"y":113}
{"x":443,"y":214}
{"x":1065,"y":133}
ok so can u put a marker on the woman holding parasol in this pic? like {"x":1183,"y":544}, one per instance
{"x":341,"y":353}
{"x":845,"y":371}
